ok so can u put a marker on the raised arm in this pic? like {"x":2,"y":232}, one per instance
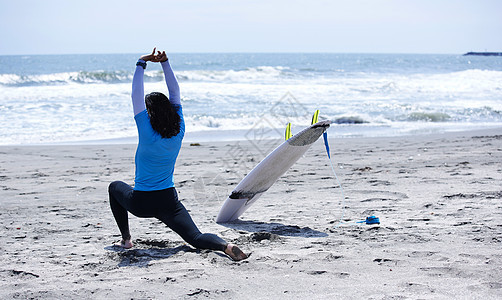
{"x":138,"y":90}
{"x":172,"y":83}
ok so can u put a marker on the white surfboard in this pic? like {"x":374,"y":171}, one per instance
{"x":264,"y":175}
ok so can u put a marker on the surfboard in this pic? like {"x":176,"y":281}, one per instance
{"x":265,"y":174}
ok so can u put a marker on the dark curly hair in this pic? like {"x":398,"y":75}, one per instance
{"x":164,"y":118}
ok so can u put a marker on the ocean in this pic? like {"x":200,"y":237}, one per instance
{"x":58,"y":99}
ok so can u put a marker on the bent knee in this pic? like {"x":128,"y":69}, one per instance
{"x":113,"y":185}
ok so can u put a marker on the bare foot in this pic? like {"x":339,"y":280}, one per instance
{"x":126,"y":244}
{"x":235,"y":253}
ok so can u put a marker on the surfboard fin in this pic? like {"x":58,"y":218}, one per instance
{"x":326,"y":144}
{"x":315,"y":117}
{"x":287,"y":133}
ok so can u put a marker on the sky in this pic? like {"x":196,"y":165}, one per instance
{"x":351,"y":26}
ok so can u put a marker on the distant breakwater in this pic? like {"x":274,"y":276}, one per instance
{"x":484,"y":53}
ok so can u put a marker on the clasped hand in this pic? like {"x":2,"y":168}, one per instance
{"x":159,"y":57}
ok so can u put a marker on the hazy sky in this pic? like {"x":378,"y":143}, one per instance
{"x":368,"y":26}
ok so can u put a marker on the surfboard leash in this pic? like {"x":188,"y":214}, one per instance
{"x":326,"y":145}
{"x":371,"y":220}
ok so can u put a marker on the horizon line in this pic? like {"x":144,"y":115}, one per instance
{"x":244,"y":52}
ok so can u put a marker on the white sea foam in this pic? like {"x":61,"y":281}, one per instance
{"x":260,"y":74}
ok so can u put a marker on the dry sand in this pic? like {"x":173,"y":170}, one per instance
{"x":438,"y":198}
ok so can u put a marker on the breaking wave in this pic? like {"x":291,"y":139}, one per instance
{"x":106,"y":77}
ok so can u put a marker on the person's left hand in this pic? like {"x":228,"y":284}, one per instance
{"x":150,"y":57}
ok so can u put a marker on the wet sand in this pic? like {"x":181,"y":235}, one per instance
{"x":438,"y":198}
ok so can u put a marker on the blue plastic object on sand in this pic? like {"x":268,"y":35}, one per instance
{"x":371,"y":220}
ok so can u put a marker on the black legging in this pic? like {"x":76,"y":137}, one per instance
{"x":163,"y":205}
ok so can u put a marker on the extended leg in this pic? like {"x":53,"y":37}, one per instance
{"x":181,"y":222}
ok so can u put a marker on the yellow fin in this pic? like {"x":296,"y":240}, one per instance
{"x":315,"y":117}
{"x":288,"y":134}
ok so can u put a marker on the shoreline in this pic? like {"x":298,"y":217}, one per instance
{"x":437,"y":197}
{"x":225,"y":136}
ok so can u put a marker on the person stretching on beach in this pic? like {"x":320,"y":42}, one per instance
{"x":161,"y":129}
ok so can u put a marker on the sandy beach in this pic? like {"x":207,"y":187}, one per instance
{"x":438,"y":198}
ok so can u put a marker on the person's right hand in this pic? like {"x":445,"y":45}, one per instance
{"x":161,"y":56}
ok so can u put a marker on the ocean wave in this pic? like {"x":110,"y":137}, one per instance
{"x":349,"y":120}
{"x":428,"y":117}
{"x":262,"y":73}
{"x":452,"y":114}
{"x":484,"y":113}
{"x":82,"y":77}
{"x":478,"y":72}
